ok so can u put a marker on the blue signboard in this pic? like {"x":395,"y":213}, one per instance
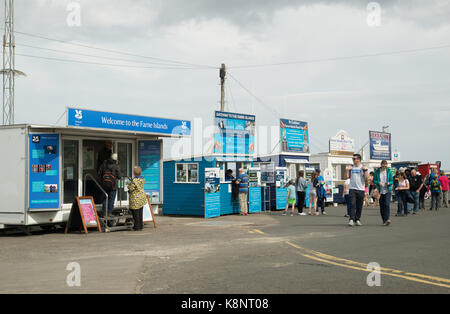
{"x":380,"y":145}
{"x":281,"y":195}
{"x":235,"y":133}
{"x":124,"y":122}
{"x":254,"y":199}
{"x":149,"y":159}
{"x":294,"y":136}
{"x":44,"y":171}
{"x":212,"y":192}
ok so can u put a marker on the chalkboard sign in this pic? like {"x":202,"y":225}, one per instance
{"x":147,"y":215}
{"x":83,"y":215}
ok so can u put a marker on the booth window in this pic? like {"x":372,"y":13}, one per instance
{"x":186,"y":173}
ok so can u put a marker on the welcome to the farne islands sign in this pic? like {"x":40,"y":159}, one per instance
{"x":124,"y":122}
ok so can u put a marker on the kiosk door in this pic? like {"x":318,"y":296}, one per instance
{"x":70,"y":170}
{"x":125,"y":155}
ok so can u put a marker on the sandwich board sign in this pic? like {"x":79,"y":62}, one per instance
{"x":83,"y":215}
{"x":147,"y":213}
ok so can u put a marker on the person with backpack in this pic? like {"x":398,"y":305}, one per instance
{"x":359,"y":176}
{"x":435,"y":189}
{"x":415,"y":185}
{"x":109,"y":173}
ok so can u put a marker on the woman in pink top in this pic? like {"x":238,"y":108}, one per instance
{"x":444,"y":189}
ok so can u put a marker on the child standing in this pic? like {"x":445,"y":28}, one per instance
{"x":291,"y":198}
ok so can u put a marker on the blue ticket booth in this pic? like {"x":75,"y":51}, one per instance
{"x":200,"y":187}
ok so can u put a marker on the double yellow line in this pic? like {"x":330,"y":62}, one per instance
{"x":341,"y":262}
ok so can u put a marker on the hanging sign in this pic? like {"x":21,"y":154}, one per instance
{"x":294,"y":136}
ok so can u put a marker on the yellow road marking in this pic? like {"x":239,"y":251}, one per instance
{"x":258,"y":231}
{"x":362,"y":267}
{"x":251,"y":232}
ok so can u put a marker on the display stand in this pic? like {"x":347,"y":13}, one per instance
{"x":83,"y":215}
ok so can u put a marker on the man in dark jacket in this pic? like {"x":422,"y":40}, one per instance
{"x":415,"y":185}
{"x":109,"y":173}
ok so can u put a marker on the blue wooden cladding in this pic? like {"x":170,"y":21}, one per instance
{"x":189,"y":199}
{"x":254,"y":199}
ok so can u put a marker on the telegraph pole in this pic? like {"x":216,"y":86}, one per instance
{"x":9,"y":72}
{"x":223,"y":74}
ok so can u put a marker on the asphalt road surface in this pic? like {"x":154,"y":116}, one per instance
{"x":257,"y":254}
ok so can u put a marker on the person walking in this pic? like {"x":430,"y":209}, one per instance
{"x":291,"y":198}
{"x":109,"y":173}
{"x":445,"y":187}
{"x":435,"y":188}
{"x":415,"y":185}
{"x":243,"y":191}
{"x":301,"y":192}
{"x":384,"y":180}
{"x":312,"y":195}
{"x":345,"y":195}
{"x":358,"y":177}
{"x":402,"y":192}
{"x":138,"y":198}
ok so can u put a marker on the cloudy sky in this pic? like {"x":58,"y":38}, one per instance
{"x":291,"y":55}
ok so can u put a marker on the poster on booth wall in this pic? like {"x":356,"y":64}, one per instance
{"x":234,"y":133}
{"x":281,"y":187}
{"x":308,"y":173}
{"x":254,"y":184}
{"x":212,"y":192}
{"x":380,"y":145}
{"x":294,"y":136}
{"x":44,"y":171}
{"x":149,"y":159}
{"x":328,"y":178}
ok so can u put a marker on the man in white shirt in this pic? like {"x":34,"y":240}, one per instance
{"x":358,"y":177}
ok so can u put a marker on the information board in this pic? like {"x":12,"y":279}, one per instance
{"x":294,"y":136}
{"x":149,"y":159}
{"x":380,"y":145}
{"x":147,"y":213}
{"x":281,"y":187}
{"x":212,"y":192}
{"x":44,"y":186}
{"x":83,"y":215}
{"x":234,"y":133}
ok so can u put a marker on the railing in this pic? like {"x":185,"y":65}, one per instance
{"x":105,"y":209}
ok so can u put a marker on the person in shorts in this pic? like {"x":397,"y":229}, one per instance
{"x":312,"y":196}
{"x":291,"y":198}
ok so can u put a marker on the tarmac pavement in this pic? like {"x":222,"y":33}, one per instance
{"x":259,"y":253}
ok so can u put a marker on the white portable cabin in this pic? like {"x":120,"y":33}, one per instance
{"x":44,"y":168}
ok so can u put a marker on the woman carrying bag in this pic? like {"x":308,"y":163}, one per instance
{"x":138,"y":198}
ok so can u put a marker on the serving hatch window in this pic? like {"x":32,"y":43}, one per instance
{"x":186,"y":173}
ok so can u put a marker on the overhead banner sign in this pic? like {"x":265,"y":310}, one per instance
{"x":124,"y":122}
{"x":380,"y":145}
{"x":342,"y":145}
{"x":294,"y":136}
{"x":234,"y":134}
